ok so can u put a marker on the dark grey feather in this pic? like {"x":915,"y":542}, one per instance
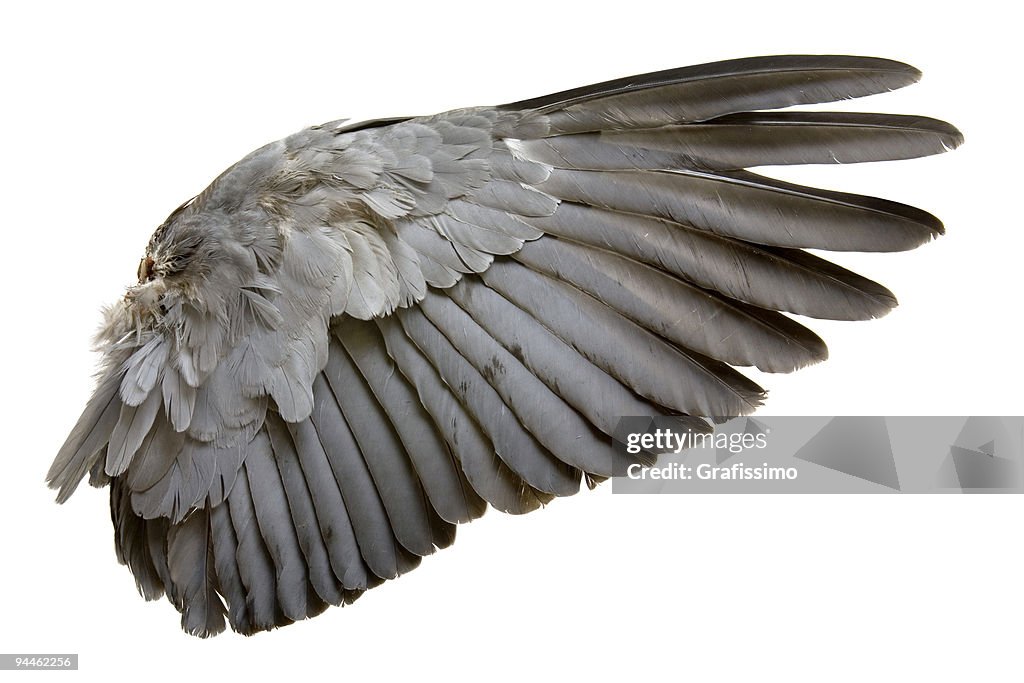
{"x":193,"y":588}
{"x":706,"y":91}
{"x":255,"y":566}
{"x":229,"y":581}
{"x":157,"y":531}
{"x":131,"y":542}
{"x":743,"y":140}
{"x":780,"y":279}
{"x":777,"y":138}
{"x":752,"y":208}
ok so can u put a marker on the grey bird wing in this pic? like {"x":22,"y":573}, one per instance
{"x":416,"y":318}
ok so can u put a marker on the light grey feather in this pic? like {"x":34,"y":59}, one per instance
{"x":179,"y":398}
{"x":132,"y":426}
{"x":175,"y":473}
{"x":87,"y":439}
{"x":375,"y":288}
{"x":599,"y":397}
{"x":680,"y":380}
{"x":480,"y":238}
{"x":689,"y":316}
{"x":331,"y":514}
{"x":514,"y":197}
{"x":366,"y":511}
{"x":272,"y":515}
{"x":555,"y":425}
{"x":143,"y":370}
{"x":156,"y":456}
{"x":412,"y":283}
{"x":435,"y":249}
{"x":169,"y":497}
{"x":507,"y":166}
{"x":489,"y":476}
{"x":436,"y":468}
{"x":385,"y":457}
{"x":512,"y":442}
{"x":496,"y":220}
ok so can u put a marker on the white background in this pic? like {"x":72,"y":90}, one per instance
{"x":113,"y":115}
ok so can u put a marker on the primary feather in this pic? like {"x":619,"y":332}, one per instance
{"x":362,"y":335}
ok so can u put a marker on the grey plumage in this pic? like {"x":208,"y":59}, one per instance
{"x":369,"y":518}
{"x":749,"y":207}
{"x":382,"y":452}
{"x":594,"y":393}
{"x":226,"y":561}
{"x":277,"y":528}
{"x":787,"y":280}
{"x":131,"y":542}
{"x":191,"y":568}
{"x":362,"y":335}
{"x":300,"y":503}
{"x":485,"y":472}
{"x":699,"y":93}
{"x":512,"y":441}
{"x":731,"y":332}
{"x":255,"y":567}
{"x":661,"y":372}
{"x":331,"y":515}
{"x":435,"y":466}
{"x":780,"y":138}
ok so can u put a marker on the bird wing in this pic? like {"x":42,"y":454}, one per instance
{"x":461,"y":308}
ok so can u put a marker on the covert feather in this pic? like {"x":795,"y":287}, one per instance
{"x":362,"y":335}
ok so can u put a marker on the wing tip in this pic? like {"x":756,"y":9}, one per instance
{"x":719,"y":68}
